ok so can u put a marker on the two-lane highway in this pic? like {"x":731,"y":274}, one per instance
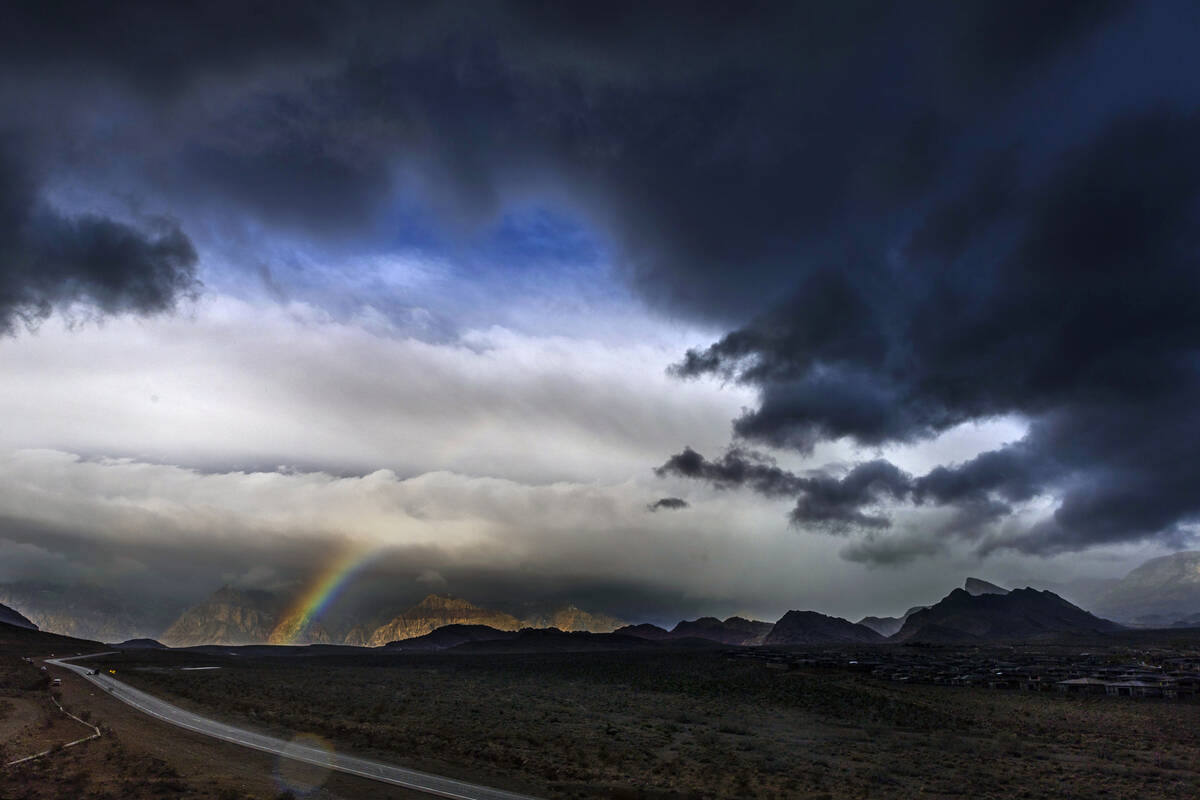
{"x":374,"y":770}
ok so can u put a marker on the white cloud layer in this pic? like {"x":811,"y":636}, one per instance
{"x":728,"y":553}
{"x":237,"y":384}
{"x":151,"y":449}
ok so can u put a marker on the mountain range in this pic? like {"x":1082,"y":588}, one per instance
{"x":737,"y":631}
{"x":1162,"y":592}
{"x":240,"y":617}
{"x":886,"y":626}
{"x":986,"y":612}
{"x":889,"y":626}
{"x":87,"y":611}
{"x":979,"y":611}
{"x":1019,"y":614}
{"x":229,"y":616}
{"x":811,"y":627}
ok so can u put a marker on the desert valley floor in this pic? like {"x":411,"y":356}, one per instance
{"x":663,"y":722}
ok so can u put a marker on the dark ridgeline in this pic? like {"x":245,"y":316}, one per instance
{"x":140,"y":644}
{"x":15,"y":618}
{"x":645,"y":631}
{"x":811,"y":627}
{"x":451,"y":636}
{"x":737,"y":631}
{"x":1019,"y":614}
{"x":886,"y":626}
{"x":734,"y":631}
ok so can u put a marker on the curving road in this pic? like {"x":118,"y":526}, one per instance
{"x":374,"y":770}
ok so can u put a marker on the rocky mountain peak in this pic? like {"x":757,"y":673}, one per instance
{"x":977,"y":586}
{"x":811,"y":627}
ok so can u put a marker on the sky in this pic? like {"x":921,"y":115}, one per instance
{"x":662,"y":309}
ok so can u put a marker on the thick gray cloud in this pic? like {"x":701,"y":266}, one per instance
{"x":169,"y":536}
{"x":233,"y":385}
{"x":1082,"y":320}
{"x":50,"y":260}
{"x":179,"y":534}
{"x":910,"y":219}
{"x":698,"y":138}
{"x":825,"y":501}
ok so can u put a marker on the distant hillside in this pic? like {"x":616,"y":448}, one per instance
{"x":20,"y":640}
{"x":810,"y":627}
{"x":451,"y":636}
{"x":437,"y":611}
{"x":140,"y":644}
{"x":89,"y":612}
{"x":571,"y":618}
{"x":645,"y":631}
{"x":1162,"y":590}
{"x":886,"y":626}
{"x":1019,"y":614}
{"x":732,"y":631}
{"x":890,"y":626}
{"x":228,"y":617}
{"x":248,"y":617}
{"x":540,"y":640}
{"x":12,"y":617}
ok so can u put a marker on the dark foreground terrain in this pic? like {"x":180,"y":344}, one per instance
{"x":136,"y":757}
{"x":697,"y":723}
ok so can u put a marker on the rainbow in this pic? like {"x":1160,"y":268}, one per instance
{"x":293,"y":625}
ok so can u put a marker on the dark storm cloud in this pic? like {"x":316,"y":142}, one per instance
{"x":1080,"y":315}
{"x":699,"y":137}
{"x":826,"y":501}
{"x":161,"y":48}
{"x":50,"y":260}
{"x":911,"y":217}
{"x":735,"y":468}
{"x":668,"y":504}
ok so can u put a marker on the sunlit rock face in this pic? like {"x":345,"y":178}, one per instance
{"x":572,"y":618}
{"x":230,"y":616}
{"x":435,"y":611}
{"x":233,"y":617}
{"x":1162,"y":591}
{"x":296,"y":629}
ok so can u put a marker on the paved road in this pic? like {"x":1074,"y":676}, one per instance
{"x":374,"y":770}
